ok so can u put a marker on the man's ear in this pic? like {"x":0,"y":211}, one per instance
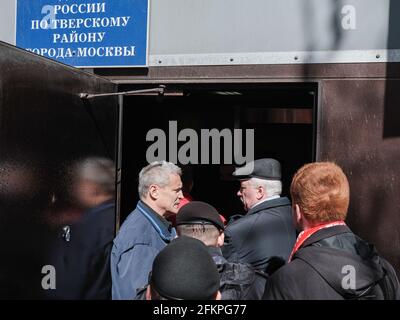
{"x":218,"y":295}
{"x":260,"y":192}
{"x":148,"y":293}
{"x":220,"y":240}
{"x":154,"y":192}
{"x":298,"y":215}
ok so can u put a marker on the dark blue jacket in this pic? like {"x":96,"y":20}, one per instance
{"x":263,"y":238}
{"x":80,"y":255}
{"x":142,"y":236}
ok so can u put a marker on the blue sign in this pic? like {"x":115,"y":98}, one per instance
{"x":85,"y":33}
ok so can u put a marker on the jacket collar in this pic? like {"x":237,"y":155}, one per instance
{"x":217,"y":256}
{"x":306,"y":234}
{"x":279,"y":202}
{"x":162,"y":226}
{"x":325,"y":233}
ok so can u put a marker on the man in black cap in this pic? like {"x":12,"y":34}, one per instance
{"x":184,"y":270}
{"x":265,"y":236}
{"x":238,"y":281}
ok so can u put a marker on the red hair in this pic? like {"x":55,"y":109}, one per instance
{"x":322,"y":192}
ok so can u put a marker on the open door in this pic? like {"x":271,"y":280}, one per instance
{"x":281,"y":115}
{"x":57,"y":159}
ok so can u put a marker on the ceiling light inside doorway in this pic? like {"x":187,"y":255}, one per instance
{"x":228,"y":93}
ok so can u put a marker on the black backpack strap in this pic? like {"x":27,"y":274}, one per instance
{"x":387,"y":289}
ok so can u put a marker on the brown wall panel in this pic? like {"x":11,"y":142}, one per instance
{"x":352,"y":123}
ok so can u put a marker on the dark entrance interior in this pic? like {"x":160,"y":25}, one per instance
{"x":282,"y":116}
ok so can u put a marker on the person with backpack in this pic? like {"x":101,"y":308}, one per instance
{"x":328,"y":261}
{"x":238,"y":281}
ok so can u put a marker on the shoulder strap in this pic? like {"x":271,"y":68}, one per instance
{"x":386,"y":283}
{"x":382,"y":282}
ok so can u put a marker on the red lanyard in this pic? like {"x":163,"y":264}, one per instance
{"x":304,"y":235}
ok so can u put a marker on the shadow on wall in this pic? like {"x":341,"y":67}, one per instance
{"x":391,"y":126}
{"x":312,"y":40}
{"x":391,"y":121}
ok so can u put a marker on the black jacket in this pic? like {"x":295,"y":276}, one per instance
{"x":239,"y":281}
{"x":334,"y":264}
{"x":263,"y":238}
{"x":82,"y":264}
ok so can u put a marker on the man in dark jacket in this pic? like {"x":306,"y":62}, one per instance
{"x":238,"y":281}
{"x":183,"y":270}
{"x":80,"y":244}
{"x":328,"y":260}
{"x":265,"y":236}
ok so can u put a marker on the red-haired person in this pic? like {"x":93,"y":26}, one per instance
{"x":329,"y":261}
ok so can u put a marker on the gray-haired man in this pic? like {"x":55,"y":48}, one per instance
{"x":265,"y":236}
{"x":145,"y":231}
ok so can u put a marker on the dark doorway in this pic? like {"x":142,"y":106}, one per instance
{"x":282,"y":116}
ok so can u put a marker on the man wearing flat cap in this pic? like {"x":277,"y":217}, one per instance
{"x":238,"y":281}
{"x":184,"y":270}
{"x":265,"y":236}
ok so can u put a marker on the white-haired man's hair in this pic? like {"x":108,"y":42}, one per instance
{"x":100,"y":171}
{"x":272,"y":187}
{"x":157,"y":172}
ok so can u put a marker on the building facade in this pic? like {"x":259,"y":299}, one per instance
{"x":314,"y":80}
